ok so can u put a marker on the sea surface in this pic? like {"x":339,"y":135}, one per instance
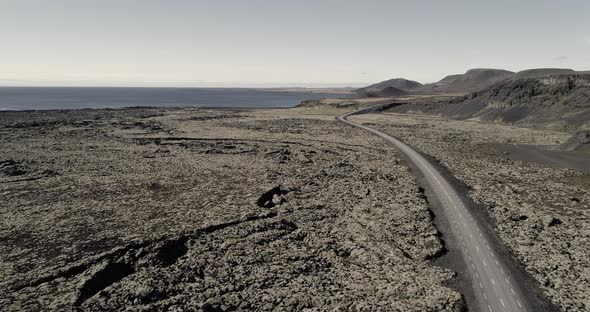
{"x":42,"y":98}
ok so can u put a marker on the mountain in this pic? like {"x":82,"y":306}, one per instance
{"x":448,"y":79}
{"x":389,"y":91}
{"x":472,"y":80}
{"x":396,"y":86}
{"x":399,"y":83}
{"x":541,"y":72}
{"x":558,"y":102}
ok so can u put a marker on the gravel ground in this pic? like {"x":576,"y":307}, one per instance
{"x":542,"y":213}
{"x":153,"y":209}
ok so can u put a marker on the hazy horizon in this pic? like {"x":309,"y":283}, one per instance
{"x":281,"y":44}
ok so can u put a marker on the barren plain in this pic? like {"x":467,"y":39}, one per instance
{"x":218,"y":210}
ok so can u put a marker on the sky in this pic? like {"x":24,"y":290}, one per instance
{"x":282,"y":42}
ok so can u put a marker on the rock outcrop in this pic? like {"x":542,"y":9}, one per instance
{"x":559,"y":102}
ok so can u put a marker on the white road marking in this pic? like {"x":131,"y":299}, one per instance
{"x":518,"y":303}
{"x":493,"y":281}
{"x":485,"y":263}
{"x":501,"y":271}
{"x":501,"y":300}
{"x":484,"y":295}
{"x":480,"y":285}
{"x":490,"y":308}
{"x":512,"y":290}
{"x":507,"y":282}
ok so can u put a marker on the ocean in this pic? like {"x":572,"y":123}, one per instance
{"x":44,"y":98}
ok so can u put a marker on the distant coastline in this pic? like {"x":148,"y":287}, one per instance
{"x":348,"y":91}
{"x":50,"y":98}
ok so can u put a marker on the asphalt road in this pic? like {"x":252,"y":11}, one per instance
{"x":494,"y":287}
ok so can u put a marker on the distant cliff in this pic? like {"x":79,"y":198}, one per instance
{"x":472,"y":80}
{"x":559,"y":102}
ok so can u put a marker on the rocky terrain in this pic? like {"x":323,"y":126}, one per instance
{"x":558,"y":102}
{"x":337,"y":106}
{"x":154,"y":209}
{"x":542,"y":213}
{"x":189,"y":209}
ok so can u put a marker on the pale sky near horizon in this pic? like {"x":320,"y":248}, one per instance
{"x":276,"y":42}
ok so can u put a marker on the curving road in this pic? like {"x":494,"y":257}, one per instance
{"x":494,"y":287}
